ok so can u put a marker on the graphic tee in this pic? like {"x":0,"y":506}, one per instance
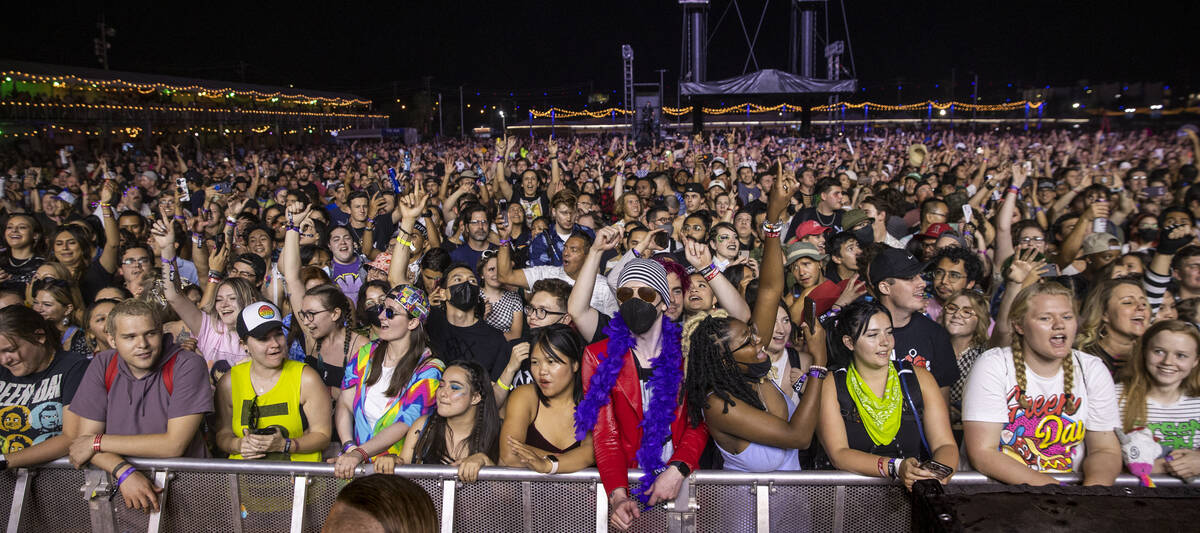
{"x":31,"y":407}
{"x":1049,"y":436}
{"x":1173,"y":425}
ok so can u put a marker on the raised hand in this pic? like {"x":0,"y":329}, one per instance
{"x":606,"y":239}
{"x":698,"y":254}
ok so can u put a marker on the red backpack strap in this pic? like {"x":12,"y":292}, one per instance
{"x":168,"y":373}
{"x":110,"y":373}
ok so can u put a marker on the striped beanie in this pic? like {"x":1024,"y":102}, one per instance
{"x":647,"y":271}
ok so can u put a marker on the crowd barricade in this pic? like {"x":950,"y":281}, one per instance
{"x":251,"y":496}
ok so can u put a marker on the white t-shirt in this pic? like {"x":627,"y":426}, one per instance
{"x":1049,"y":439}
{"x":377,"y":400}
{"x":603,"y":298}
{"x":1175,"y":425}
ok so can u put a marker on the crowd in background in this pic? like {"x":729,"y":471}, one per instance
{"x":901,"y":304}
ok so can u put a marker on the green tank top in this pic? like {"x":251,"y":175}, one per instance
{"x":277,"y":408}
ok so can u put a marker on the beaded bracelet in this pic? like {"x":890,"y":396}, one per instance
{"x":363,"y":453}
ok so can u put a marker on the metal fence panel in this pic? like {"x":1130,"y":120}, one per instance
{"x":56,"y":504}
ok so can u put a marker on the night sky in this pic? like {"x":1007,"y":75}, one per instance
{"x":534,"y":46}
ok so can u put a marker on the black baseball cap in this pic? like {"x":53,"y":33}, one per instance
{"x":693,"y":187}
{"x":893,"y":263}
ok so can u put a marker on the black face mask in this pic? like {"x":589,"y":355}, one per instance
{"x":756,"y":370}
{"x":464,"y":296}
{"x":639,"y":315}
{"x":372,"y":315}
{"x":1147,"y":235}
{"x":865,"y":234}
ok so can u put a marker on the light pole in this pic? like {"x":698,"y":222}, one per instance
{"x":503,"y":127}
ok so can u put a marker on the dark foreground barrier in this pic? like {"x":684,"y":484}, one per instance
{"x":252,"y":496}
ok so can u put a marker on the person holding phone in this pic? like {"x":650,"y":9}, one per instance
{"x":271,"y":407}
{"x":882,"y":418}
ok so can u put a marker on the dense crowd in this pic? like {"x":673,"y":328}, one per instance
{"x":1016,"y":303}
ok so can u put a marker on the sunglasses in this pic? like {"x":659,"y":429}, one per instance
{"x":252,"y":421}
{"x":645,"y":293}
{"x":389,"y":313}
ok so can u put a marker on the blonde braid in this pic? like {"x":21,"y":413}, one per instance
{"x":1019,"y":365}
{"x":690,"y":325}
{"x":1068,"y":383}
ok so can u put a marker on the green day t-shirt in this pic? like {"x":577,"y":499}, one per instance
{"x":1174,"y":426}
{"x":1048,"y":437}
{"x":31,"y":407}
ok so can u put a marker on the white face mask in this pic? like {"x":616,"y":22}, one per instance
{"x":326,"y":269}
{"x":718,"y":171}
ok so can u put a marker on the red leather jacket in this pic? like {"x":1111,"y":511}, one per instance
{"x":617,"y":435}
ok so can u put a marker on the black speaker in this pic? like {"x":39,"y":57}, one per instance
{"x":1052,"y":509}
{"x":697,"y":117}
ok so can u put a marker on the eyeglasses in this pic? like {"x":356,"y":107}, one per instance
{"x":310,"y":315}
{"x":645,"y":293}
{"x":138,"y":260}
{"x":966,"y":312}
{"x":541,"y":312}
{"x":1028,"y":240}
{"x":953,"y":275}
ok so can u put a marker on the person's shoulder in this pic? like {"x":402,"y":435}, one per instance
{"x":994,"y":358}
{"x":1091,"y":364}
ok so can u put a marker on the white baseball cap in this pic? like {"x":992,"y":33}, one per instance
{"x":258,"y":319}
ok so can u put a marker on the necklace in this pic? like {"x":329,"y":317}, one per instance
{"x":23,"y":263}
{"x":821,"y":221}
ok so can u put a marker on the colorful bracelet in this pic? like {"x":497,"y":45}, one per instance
{"x":712,"y":273}
{"x":503,"y":386}
{"x":287,"y":446}
{"x":893,"y":472}
{"x":880,"y":465}
{"x":128,"y":472}
{"x":96,"y":442}
{"x":817,"y":371}
{"x":346,"y":447}
{"x":505,"y":242}
{"x":290,"y":227}
{"x":363,"y":453}
{"x":1014,"y":189}
{"x":406,"y":244}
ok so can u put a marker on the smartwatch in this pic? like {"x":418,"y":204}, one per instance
{"x":553,"y":463}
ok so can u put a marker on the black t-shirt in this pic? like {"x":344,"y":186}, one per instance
{"x":20,"y":271}
{"x":926,"y":343}
{"x":94,"y":279}
{"x":535,"y":206}
{"x":810,"y":213}
{"x":478,"y":342}
{"x":31,"y":407}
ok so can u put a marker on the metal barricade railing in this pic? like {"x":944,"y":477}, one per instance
{"x":249,"y":496}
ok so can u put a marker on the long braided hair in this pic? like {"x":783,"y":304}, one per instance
{"x":711,"y":368}
{"x":1020,"y":309}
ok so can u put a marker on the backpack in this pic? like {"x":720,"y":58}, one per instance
{"x":167,"y":372}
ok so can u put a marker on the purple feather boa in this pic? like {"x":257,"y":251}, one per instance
{"x":664,"y":384}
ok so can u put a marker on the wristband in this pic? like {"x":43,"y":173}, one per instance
{"x":636,"y":253}
{"x":553,"y":464}
{"x":406,"y":244}
{"x":168,"y":261}
{"x":817,"y":371}
{"x":118,"y":467}
{"x":346,"y":447}
{"x":1014,"y":189}
{"x":96,"y":442}
{"x":504,"y":242}
{"x":291,"y":227}
{"x":711,"y":272}
{"x":880,"y":466}
{"x":893,"y":469}
{"x":503,"y":386}
{"x":287,"y":446}
{"x":128,"y":472}
{"x":363,"y":453}
{"x":180,"y":217}
{"x":798,"y":386}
